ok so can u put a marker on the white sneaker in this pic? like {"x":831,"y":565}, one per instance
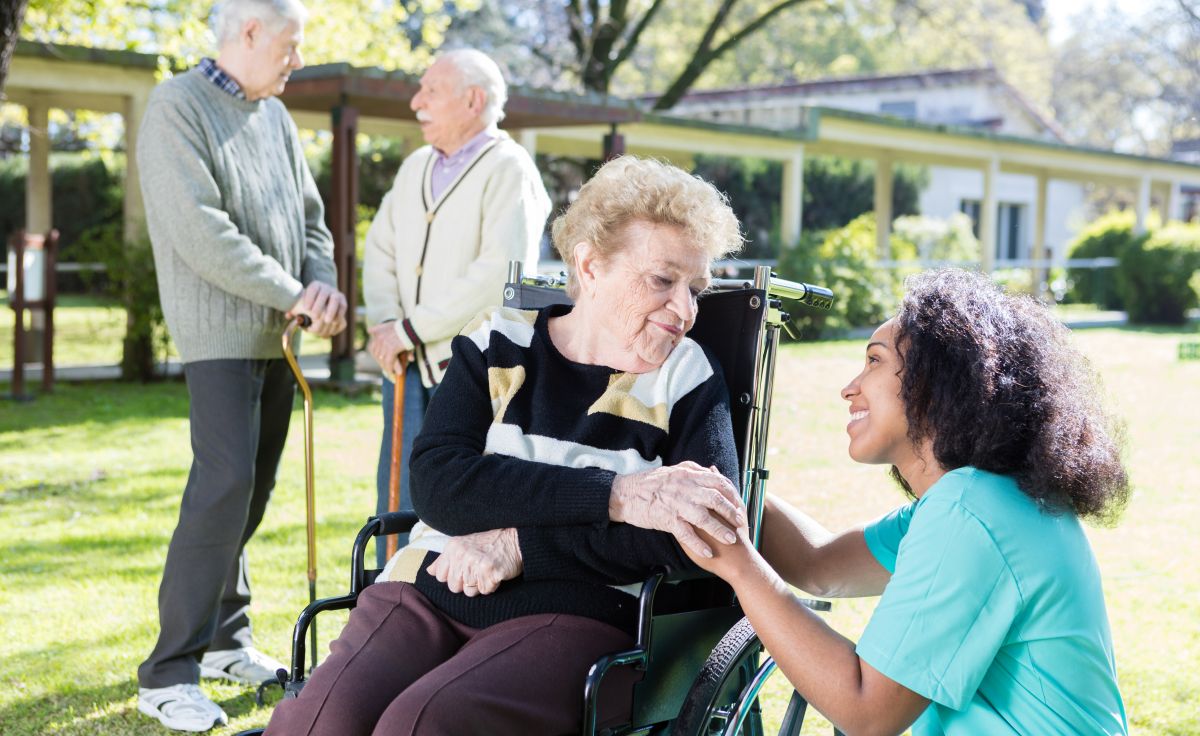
{"x":246,"y":665}
{"x":181,"y":707}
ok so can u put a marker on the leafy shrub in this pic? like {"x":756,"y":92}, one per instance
{"x":1107,"y":237}
{"x":87,"y":191}
{"x":1157,"y":275}
{"x":844,"y":260}
{"x":836,"y":190}
{"x":131,"y":279}
{"x":936,"y":239}
{"x":378,"y":161}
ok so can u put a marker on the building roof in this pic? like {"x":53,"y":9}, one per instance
{"x":66,"y":52}
{"x":928,"y":79}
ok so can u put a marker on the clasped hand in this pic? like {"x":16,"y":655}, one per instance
{"x":385,"y":347}
{"x":680,"y":499}
{"x":325,"y":306}
{"x":476,"y":564}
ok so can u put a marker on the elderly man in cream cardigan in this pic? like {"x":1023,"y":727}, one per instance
{"x":437,"y":252}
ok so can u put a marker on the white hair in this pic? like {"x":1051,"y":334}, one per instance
{"x":476,"y":69}
{"x":231,"y":15}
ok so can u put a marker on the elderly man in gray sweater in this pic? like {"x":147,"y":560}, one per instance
{"x":240,"y":247}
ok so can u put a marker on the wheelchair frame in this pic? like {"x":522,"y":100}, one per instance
{"x":726,"y":690}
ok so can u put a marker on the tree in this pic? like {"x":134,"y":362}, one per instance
{"x":11,"y":12}
{"x":1132,"y":83}
{"x":855,"y":37}
{"x":394,"y":35}
{"x":605,"y":35}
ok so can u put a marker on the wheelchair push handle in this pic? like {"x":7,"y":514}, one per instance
{"x":810,"y":294}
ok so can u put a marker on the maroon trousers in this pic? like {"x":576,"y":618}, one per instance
{"x":401,"y":667}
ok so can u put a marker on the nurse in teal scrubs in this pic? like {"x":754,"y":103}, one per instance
{"x":992,"y":616}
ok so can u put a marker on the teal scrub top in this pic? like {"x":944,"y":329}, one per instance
{"x":994,"y":612}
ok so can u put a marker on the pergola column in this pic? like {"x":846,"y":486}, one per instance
{"x":38,"y":213}
{"x":1040,"y":258}
{"x":1171,"y":205}
{"x":342,"y":218}
{"x":792,"y":205}
{"x":528,"y":141}
{"x":135,"y":209}
{"x":883,"y":207}
{"x":1143,"y":205}
{"x":988,"y":216}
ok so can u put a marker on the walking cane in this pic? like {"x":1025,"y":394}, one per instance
{"x":397,"y":433}
{"x":303,"y":320}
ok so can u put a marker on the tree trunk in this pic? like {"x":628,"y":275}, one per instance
{"x":11,"y":13}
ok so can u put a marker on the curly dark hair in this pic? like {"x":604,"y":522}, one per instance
{"x":993,"y":380}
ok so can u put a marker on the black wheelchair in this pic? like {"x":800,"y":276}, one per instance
{"x":702,"y":668}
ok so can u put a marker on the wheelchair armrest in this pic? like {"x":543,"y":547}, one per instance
{"x":395,"y":522}
{"x":650,"y":589}
{"x":300,"y":632}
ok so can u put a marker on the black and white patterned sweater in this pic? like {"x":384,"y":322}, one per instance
{"x":519,"y":436}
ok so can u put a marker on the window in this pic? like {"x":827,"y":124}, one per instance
{"x":906,"y":109}
{"x":970,"y":208}
{"x":1010,"y":219}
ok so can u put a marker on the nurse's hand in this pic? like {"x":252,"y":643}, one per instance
{"x":680,"y":499}
{"x":476,"y":564}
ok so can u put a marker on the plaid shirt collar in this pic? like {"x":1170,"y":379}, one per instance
{"x":216,"y":75}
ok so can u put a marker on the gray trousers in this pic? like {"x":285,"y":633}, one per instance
{"x":239,"y":413}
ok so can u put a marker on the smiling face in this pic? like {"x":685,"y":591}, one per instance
{"x":878,"y":427}
{"x":642,"y":300}
{"x":449,"y":114}
{"x":270,"y":58}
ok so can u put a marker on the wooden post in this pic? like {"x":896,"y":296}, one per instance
{"x":49,"y":296}
{"x":342,"y":216}
{"x":614,"y":144}
{"x":17,"y":300}
{"x":20,"y":303}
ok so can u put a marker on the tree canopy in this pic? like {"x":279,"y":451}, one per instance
{"x":393,"y":35}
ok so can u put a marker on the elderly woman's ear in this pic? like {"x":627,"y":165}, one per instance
{"x":586,"y":262}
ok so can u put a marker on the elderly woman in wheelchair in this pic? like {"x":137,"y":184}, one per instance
{"x":567,"y":453}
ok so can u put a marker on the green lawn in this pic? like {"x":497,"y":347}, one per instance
{"x":90,"y":480}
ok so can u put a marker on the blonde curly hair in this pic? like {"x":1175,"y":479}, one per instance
{"x":630,"y":189}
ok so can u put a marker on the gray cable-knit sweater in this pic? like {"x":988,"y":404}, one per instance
{"x":234,"y":218}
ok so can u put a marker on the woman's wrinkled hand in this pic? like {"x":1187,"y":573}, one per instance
{"x":476,"y":564}
{"x":678,"y":499}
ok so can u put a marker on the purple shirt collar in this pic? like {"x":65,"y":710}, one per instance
{"x":447,"y":168}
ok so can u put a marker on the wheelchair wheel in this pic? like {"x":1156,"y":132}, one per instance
{"x":715,"y":694}
{"x":734,"y":674}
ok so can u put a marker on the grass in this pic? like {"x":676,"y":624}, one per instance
{"x":90,"y":479}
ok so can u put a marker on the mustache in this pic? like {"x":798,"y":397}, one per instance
{"x":423,"y":117}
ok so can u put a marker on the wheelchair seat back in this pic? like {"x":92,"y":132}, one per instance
{"x":676,"y":644}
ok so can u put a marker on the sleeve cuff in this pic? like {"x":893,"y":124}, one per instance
{"x":540,"y":558}
{"x":289,"y":296}
{"x":406,"y":334}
